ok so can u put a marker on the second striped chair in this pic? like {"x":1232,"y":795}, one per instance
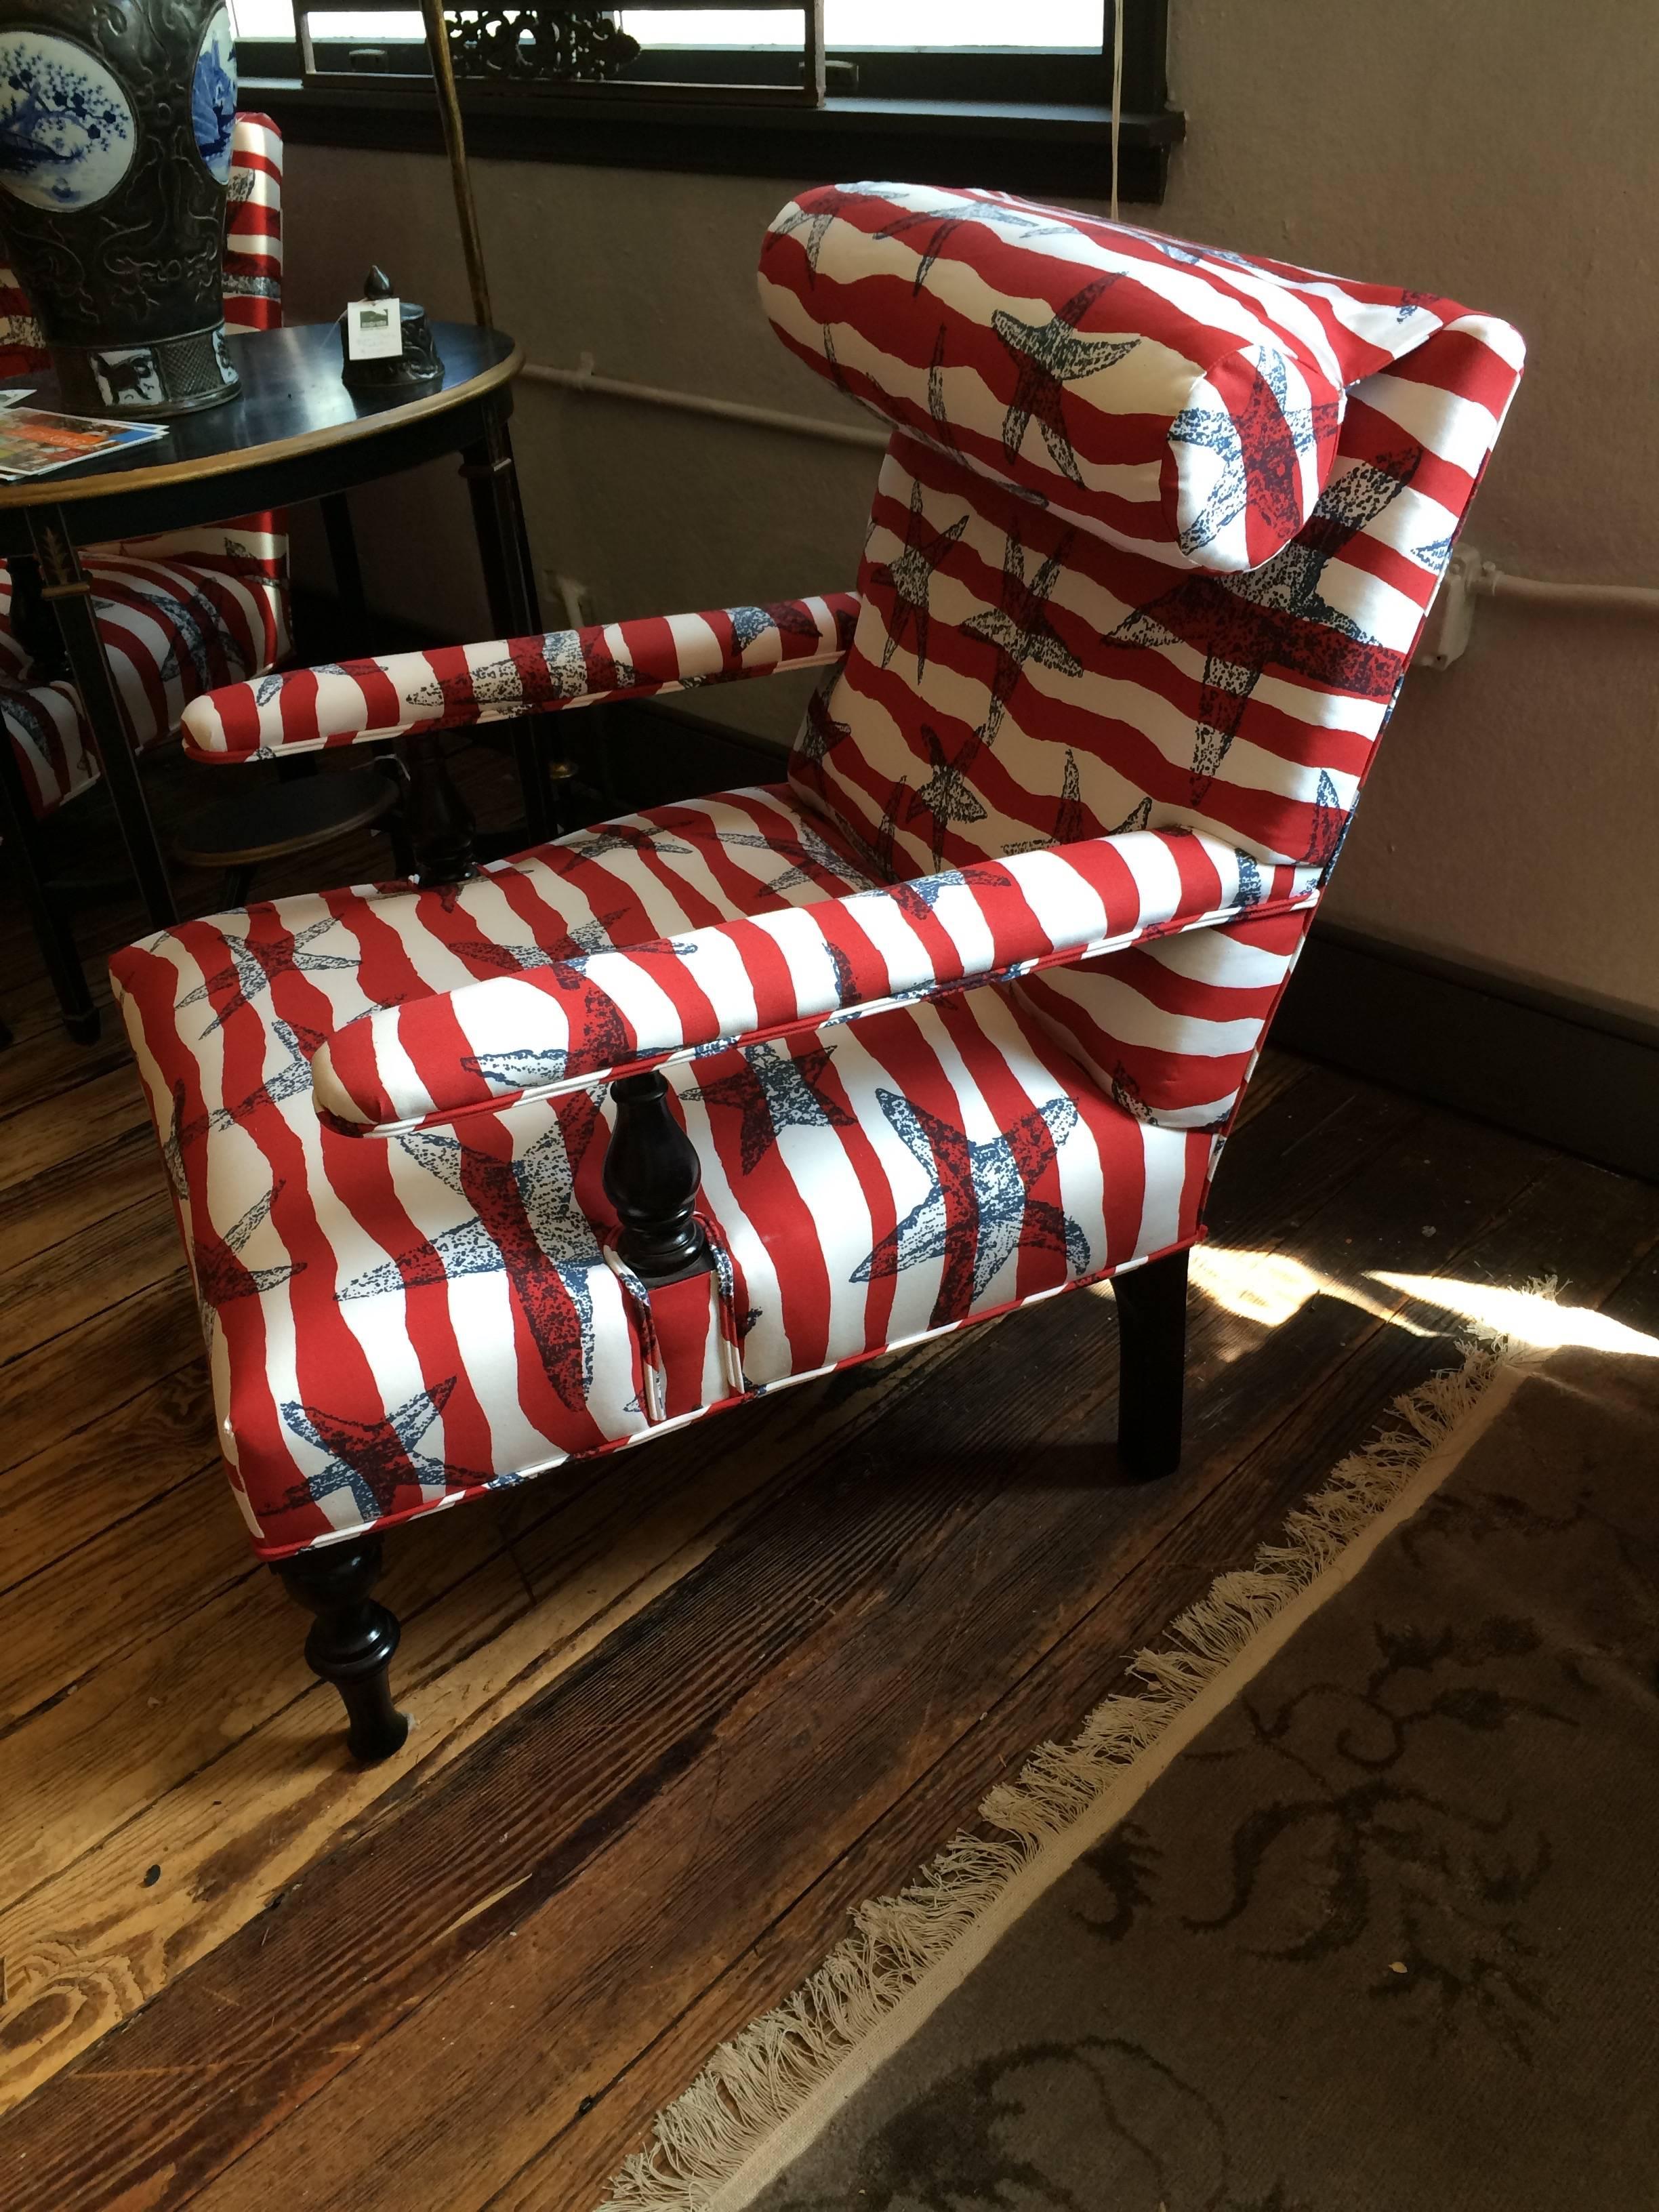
{"x":178,"y":614}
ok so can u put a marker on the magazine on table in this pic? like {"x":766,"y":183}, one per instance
{"x":34,"y":442}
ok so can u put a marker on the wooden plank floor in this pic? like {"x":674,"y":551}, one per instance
{"x":673,"y":1717}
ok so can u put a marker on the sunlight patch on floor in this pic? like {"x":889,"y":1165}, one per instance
{"x":1529,"y":1316}
{"x":1271,"y":1287}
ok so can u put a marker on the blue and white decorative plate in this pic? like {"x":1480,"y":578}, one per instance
{"x":66,"y":131}
{"x":213,"y":95}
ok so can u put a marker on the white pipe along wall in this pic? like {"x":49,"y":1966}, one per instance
{"x":584,"y":379}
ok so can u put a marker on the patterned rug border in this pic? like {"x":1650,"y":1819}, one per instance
{"x":764,"y":2095}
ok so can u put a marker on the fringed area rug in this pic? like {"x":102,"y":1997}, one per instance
{"x":1353,"y":1907}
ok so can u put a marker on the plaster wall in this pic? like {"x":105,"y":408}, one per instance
{"x":1502,"y":153}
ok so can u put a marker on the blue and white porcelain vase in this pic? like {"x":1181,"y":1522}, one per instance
{"x":115,"y":131}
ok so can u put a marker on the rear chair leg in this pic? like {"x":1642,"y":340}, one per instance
{"x":1152,"y":1332}
{"x":352,"y":1639}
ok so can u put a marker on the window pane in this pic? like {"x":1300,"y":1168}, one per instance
{"x":262,"y":19}
{"x":855,"y":25}
{"x":376,"y":30}
{"x":849,"y":24}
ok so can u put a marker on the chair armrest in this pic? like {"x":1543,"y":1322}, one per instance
{"x":577,"y":1023}
{"x":357,"y":702}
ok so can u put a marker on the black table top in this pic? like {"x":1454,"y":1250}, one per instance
{"x":293,"y":410}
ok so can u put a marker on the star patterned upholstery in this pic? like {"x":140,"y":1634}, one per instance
{"x":391,"y":1326}
{"x":958,"y":1017}
{"x":183,"y":612}
{"x":1172,"y":400}
{"x":172,"y":629}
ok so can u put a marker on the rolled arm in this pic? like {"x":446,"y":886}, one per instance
{"x":566,"y":1027}
{"x":360,"y":701}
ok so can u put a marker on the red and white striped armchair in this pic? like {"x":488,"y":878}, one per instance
{"x":179,"y":614}
{"x":483,"y":1175}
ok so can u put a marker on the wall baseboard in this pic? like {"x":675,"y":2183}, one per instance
{"x":1526,"y":1060}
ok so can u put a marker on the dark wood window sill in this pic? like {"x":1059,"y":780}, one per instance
{"x":1062,"y":149}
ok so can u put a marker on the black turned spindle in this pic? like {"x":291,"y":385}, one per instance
{"x":439,"y":822}
{"x":1151,"y":1334}
{"x":651,"y":1178}
{"x":33,"y":623}
{"x":352,"y":1639}
{"x":20,"y":842}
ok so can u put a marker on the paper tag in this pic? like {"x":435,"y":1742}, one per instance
{"x":374,"y":330}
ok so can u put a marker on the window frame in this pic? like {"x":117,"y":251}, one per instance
{"x":1032,"y":121}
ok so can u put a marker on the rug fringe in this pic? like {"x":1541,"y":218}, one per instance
{"x":761,"y":2078}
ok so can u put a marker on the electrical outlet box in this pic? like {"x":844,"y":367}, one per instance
{"x":1451,"y":617}
{"x":574,"y":601}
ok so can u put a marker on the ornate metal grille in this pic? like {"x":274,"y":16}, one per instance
{"x":563,"y":46}
{"x":543,"y":42}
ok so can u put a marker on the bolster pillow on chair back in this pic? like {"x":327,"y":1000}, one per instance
{"x":1175,"y":400}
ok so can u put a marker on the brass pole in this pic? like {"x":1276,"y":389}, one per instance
{"x":460,"y":177}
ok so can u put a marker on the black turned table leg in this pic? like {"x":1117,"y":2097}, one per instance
{"x":1152,"y":1333}
{"x":510,"y":581}
{"x":33,"y":623}
{"x":20,"y":847}
{"x":68,"y":592}
{"x":651,"y":1177}
{"x":437,"y":821}
{"x":352,"y":1640}
{"x":342,"y":558}
{"x":396,"y":824}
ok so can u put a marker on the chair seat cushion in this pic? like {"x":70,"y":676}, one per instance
{"x":393,"y":1325}
{"x":172,"y":629}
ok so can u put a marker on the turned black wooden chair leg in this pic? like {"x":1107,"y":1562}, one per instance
{"x":1151,"y":1334}
{"x":351,"y":1640}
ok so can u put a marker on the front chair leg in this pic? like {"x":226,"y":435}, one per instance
{"x":1151,"y":1334}
{"x":352,"y":1639}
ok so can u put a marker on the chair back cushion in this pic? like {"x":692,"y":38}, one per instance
{"x":1019,"y":677}
{"x":254,"y":227}
{"x":1171,"y":400}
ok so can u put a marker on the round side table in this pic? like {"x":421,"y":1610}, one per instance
{"x":294,"y":433}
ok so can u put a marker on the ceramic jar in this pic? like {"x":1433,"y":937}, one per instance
{"x":115,"y":142}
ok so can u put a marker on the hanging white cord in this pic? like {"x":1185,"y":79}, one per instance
{"x":1117,"y":92}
